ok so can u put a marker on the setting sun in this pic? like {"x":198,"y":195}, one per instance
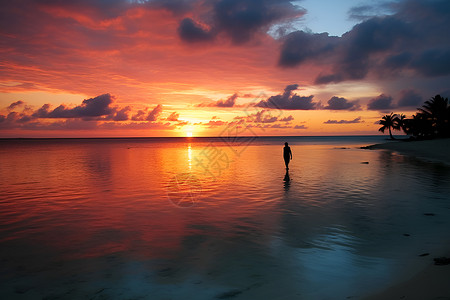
{"x":189,"y":134}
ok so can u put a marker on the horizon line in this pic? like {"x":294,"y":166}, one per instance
{"x":184,"y":137}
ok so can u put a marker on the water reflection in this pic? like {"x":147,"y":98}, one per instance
{"x":189,"y":151}
{"x":287,"y":181}
{"x":89,"y":214}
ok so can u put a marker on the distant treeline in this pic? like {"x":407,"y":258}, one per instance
{"x":431,"y":121}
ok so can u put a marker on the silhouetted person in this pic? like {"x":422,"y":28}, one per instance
{"x":287,"y":155}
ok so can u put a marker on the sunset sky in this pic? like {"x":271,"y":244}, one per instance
{"x":118,"y":68}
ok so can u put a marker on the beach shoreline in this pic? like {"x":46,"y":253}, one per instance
{"x":436,"y":150}
{"x":433,"y":281}
{"x":430,"y":283}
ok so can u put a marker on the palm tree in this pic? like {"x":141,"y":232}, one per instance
{"x":436,"y":111}
{"x":418,"y":126}
{"x":388,"y":122}
{"x":400,"y":123}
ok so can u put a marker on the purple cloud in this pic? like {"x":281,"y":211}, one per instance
{"x":300,"y":127}
{"x":154,"y":114}
{"x":287,"y":119}
{"x":382,"y":102}
{"x":191,"y":32}
{"x":288,"y":100}
{"x":339,"y":103}
{"x":239,"y":20}
{"x":92,"y":107}
{"x":121,"y":114}
{"x":412,"y":39}
{"x":93,"y":112}
{"x":15,"y":104}
{"x":354,"y":121}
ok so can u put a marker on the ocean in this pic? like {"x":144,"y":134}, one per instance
{"x":215,"y":218}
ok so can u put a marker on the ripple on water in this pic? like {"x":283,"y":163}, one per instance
{"x":336,"y":225}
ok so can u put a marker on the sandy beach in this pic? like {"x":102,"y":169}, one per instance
{"x":433,"y":150}
{"x":431,"y":283}
{"x":434,"y":281}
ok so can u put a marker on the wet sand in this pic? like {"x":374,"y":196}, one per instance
{"x":431,"y":283}
{"x":434,"y":150}
{"x":434,"y":281}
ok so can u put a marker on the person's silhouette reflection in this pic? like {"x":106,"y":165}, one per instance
{"x":287,"y":155}
{"x":287,"y":180}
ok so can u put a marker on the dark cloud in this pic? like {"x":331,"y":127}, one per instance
{"x":413,"y":38}
{"x":18,"y":117}
{"x":92,"y":107}
{"x":362,"y":12}
{"x":397,"y":61}
{"x":14,"y":120}
{"x":263,"y":117}
{"x":300,"y":46}
{"x":300,"y":127}
{"x":42,"y":112}
{"x":287,"y":119}
{"x":433,"y":62}
{"x":288,"y":100}
{"x":229,"y":102}
{"x":15,"y":104}
{"x":339,"y":103}
{"x":281,"y":126}
{"x":382,"y":102}
{"x":92,"y":113}
{"x":140,"y":115}
{"x":409,"y":98}
{"x":354,"y":121}
{"x":190,"y":31}
{"x":121,"y":114}
{"x":240,"y":20}
{"x":145,"y":115}
{"x":154,"y":114}
{"x":364,"y":41}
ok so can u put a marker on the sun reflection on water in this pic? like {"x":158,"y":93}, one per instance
{"x":189,"y":151}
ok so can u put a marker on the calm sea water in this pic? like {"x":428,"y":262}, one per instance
{"x":205,"y":218}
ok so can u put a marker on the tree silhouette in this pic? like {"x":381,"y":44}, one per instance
{"x":388,"y":122}
{"x":418,"y":127}
{"x":436,"y":111}
{"x":431,"y":120}
{"x":400,"y":122}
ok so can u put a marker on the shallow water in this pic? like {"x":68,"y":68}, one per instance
{"x":214,"y":219}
